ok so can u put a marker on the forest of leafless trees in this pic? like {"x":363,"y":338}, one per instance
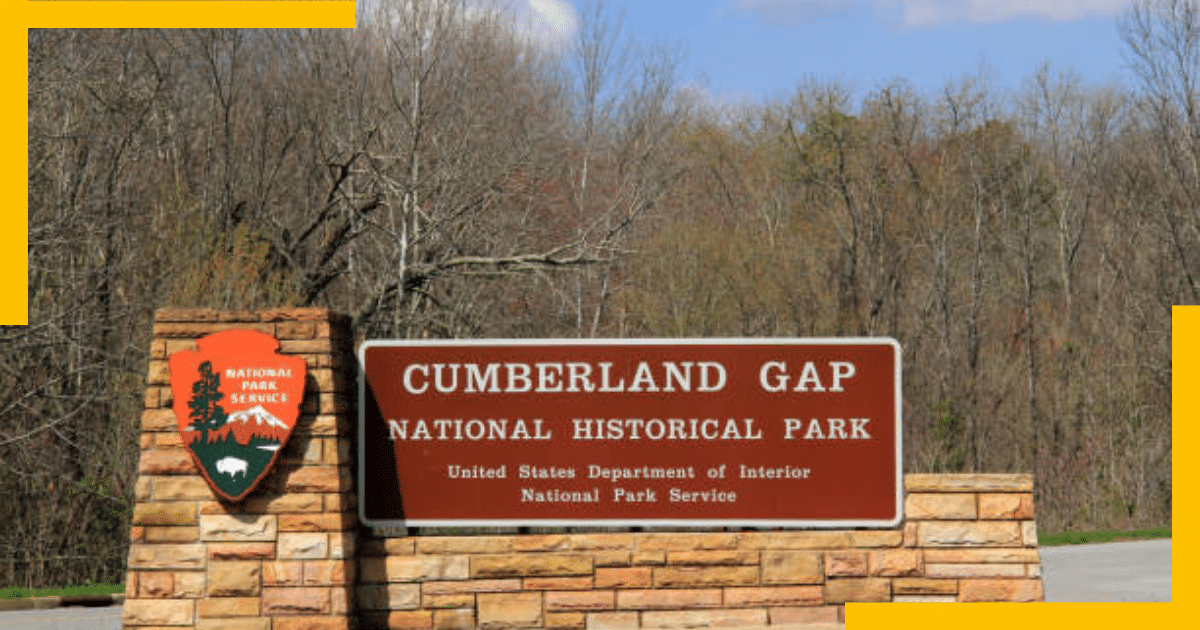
{"x":434,"y":173}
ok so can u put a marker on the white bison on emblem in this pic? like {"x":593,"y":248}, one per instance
{"x":231,"y":465}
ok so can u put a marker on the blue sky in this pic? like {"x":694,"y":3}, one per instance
{"x":760,"y":49}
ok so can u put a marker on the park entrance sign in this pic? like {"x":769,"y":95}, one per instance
{"x":753,"y":433}
{"x":236,"y":401}
{"x":656,"y":432}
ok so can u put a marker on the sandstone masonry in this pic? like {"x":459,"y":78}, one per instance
{"x":285,"y":557}
{"x":966,"y":538}
{"x":292,"y":556}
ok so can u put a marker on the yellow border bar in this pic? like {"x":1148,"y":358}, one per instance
{"x":190,"y":14}
{"x":14,"y":178}
{"x":14,"y":64}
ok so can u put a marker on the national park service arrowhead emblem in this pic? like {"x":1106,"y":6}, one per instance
{"x":236,"y":401}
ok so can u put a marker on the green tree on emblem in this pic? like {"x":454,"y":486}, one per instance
{"x":205,"y":408}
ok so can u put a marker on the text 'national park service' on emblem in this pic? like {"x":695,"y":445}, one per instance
{"x":236,"y":402}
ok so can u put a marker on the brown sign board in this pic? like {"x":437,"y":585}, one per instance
{"x":649,"y":432}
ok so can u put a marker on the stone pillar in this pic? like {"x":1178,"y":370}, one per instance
{"x":284,"y":557}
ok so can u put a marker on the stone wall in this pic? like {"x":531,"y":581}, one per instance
{"x":293,"y":557}
{"x":284,"y":558}
{"x":967,"y":538}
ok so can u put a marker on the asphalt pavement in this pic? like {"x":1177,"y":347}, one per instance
{"x":62,"y":619}
{"x":1110,"y":572}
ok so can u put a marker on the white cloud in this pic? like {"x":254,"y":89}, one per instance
{"x":551,"y":23}
{"x":932,"y":12}
{"x":556,"y":14}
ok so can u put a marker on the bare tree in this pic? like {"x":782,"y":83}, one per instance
{"x":1162,"y":39}
{"x":457,"y":134}
{"x":627,"y":109}
{"x":434,"y":174}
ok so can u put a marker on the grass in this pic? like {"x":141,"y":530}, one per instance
{"x":11,"y":592}
{"x":1075,"y":538}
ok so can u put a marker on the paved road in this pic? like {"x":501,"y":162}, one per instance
{"x":1110,"y":572}
{"x":73,"y":618}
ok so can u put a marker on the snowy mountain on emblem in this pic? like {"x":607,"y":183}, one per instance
{"x":259,"y":415}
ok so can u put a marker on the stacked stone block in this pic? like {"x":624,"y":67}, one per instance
{"x":283,"y":558}
{"x":977,"y":536}
{"x":286,"y":557}
{"x":966,"y":538}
